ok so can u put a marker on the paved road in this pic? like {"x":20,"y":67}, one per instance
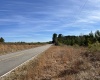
{"x":10,"y":61}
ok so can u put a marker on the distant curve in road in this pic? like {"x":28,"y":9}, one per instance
{"x":12,"y":60}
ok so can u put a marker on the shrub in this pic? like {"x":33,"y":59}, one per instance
{"x":94,"y":47}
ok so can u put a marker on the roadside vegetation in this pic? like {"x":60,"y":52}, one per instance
{"x":6,"y":48}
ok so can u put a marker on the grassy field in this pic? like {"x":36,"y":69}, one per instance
{"x":13,"y":47}
{"x":60,"y":63}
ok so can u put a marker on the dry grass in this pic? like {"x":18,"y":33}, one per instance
{"x":59,"y":63}
{"x":7,"y":48}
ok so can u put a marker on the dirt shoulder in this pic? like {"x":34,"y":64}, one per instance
{"x":59,"y":63}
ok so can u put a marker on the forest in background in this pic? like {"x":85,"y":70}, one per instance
{"x":81,"y":40}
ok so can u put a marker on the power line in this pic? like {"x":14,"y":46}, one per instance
{"x":83,"y":6}
{"x":81,"y":9}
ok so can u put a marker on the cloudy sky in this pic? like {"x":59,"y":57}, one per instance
{"x":37,"y":20}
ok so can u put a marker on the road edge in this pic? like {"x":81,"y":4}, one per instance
{"x":6,"y":74}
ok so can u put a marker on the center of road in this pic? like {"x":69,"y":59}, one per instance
{"x":12,"y":57}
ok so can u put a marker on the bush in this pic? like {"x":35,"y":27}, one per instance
{"x":94,"y":47}
{"x":58,"y":43}
{"x":76,"y":46}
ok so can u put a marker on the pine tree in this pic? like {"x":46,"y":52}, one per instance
{"x":1,"y":39}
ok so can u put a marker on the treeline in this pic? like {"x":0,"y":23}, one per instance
{"x":2,"y":39}
{"x":81,"y":40}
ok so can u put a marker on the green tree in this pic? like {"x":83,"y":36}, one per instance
{"x":97,"y":35}
{"x":86,"y":37}
{"x":60,"y":38}
{"x":1,"y":39}
{"x":91,"y":38}
{"x":54,"y":38}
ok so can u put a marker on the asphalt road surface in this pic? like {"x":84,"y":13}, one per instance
{"x":12,"y":60}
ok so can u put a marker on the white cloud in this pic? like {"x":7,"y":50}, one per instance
{"x":4,"y":10}
{"x":94,"y":1}
{"x":91,"y":17}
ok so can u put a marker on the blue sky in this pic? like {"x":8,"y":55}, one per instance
{"x":37,"y":20}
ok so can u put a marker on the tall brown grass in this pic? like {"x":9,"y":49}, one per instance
{"x":13,"y":47}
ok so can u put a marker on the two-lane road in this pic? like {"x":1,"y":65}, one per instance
{"x":10,"y":61}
